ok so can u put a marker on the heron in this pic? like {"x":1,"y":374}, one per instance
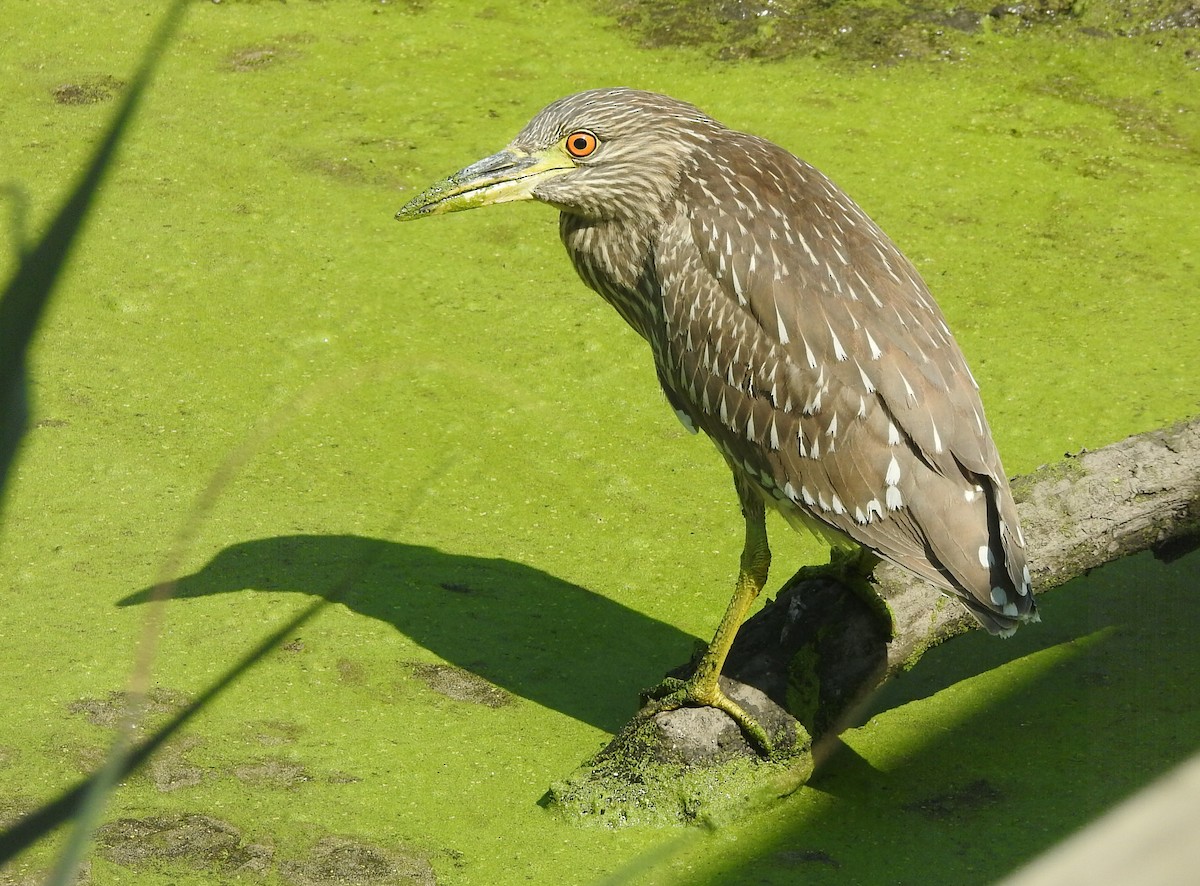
{"x":786,"y":326}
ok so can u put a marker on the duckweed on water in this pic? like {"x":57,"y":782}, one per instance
{"x":496,"y":429}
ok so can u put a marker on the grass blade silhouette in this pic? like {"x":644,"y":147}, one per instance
{"x":23,"y":302}
{"x":28,"y":291}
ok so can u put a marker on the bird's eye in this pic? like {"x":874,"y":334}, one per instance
{"x":581,"y":143}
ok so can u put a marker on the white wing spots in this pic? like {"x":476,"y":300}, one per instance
{"x":831,"y":431}
{"x":686,"y":421}
{"x":774,"y":436}
{"x":887,"y":265}
{"x":801,"y":449}
{"x":808,"y":353}
{"x":893,"y":498}
{"x":790,"y":491}
{"x":908,"y":389}
{"x":781,"y":268}
{"x":1010,"y":609}
{"x":814,"y":451}
{"x":875,"y":352}
{"x":937,"y":440}
{"x":999,"y":596}
{"x":893,"y":434}
{"x":813,"y":406}
{"x":986,"y":558}
{"x":874,"y":508}
{"x":972,"y":493}
{"x":723,"y":410}
{"x":737,"y":287}
{"x":750,"y":429}
{"x":783,"y":336}
{"x":837,"y":283}
{"x":971,"y":376}
{"x":836,"y":504}
{"x":862,"y":407}
{"x":806,"y":496}
{"x":838,"y":350}
{"x":859,"y":516}
{"x":821,"y":503}
{"x":867,"y":287}
{"x":866,"y":380}
{"x":1027,"y":585}
{"x":807,"y":250}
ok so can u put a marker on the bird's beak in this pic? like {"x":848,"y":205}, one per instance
{"x":509,"y":175}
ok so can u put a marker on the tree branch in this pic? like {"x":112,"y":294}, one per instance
{"x":812,"y":655}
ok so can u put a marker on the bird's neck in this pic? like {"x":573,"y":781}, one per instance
{"x":615,"y":258}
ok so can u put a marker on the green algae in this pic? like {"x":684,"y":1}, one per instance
{"x":496,"y":423}
{"x":627,"y":787}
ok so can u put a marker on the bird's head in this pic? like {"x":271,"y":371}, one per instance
{"x":600,"y":154}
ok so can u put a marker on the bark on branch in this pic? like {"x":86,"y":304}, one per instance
{"x":809,"y":657}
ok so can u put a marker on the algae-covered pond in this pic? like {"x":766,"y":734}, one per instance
{"x":448,"y":427}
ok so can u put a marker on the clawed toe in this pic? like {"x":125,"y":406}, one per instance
{"x":673,"y":693}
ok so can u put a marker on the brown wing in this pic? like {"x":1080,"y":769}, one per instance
{"x":802,"y":341}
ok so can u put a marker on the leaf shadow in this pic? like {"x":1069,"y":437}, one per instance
{"x":522,"y":629}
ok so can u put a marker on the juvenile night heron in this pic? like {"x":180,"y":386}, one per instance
{"x":785,"y":325}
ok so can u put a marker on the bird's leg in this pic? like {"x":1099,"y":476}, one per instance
{"x":703,"y":688}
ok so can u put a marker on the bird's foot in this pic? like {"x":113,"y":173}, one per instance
{"x":673,"y":693}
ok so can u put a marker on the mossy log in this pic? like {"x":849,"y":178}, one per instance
{"x":814,"y":653}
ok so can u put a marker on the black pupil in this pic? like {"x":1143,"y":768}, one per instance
{"x":579,"y":143}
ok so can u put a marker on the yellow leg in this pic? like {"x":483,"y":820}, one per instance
{"x":703,"y":688}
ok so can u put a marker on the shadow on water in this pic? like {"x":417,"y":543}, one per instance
{"x":1055,"y":727}
{"x":1046,"y":732}
{"x":527,"y":632}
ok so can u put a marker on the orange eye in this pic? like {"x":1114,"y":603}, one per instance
{"x":581,"y":143}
